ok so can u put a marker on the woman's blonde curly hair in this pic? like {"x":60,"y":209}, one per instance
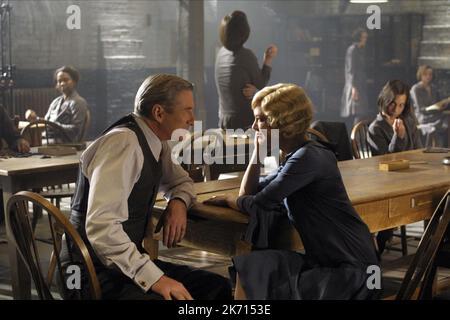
{"x":287,"y":108}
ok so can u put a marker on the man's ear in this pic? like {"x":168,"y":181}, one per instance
{"x":158,"y":112}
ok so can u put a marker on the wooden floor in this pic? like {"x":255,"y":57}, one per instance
{"x":393,"y":271}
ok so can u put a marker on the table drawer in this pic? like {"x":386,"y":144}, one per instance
{"x":374,"y":214}
{"x":420,"y":203}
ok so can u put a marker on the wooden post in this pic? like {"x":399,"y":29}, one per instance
{"x":190,"y":61}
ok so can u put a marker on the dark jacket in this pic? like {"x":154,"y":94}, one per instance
{"x":382,"y":139}
{"x":233,"y":70}
{"x":69,"y":114}
{"x":355,"y":76}
{"x":7,"y":130}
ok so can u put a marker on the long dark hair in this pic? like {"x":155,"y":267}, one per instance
{"x":234,"y":30}
{"x":387,"y":96}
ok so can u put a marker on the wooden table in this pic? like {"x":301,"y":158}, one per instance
{"x":383,"y":199}
{"x":18,"y":174}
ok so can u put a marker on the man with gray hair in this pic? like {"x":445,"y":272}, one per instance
{"x":120,"y":175}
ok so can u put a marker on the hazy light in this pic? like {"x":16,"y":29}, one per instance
{"x":369,"y":1}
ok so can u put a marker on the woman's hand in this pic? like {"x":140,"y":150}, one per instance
{"x":30,"y":115}
{"x":222,"y":201}
{"x":399,"y":128}
{"x":260,"y":138}
{"x":270,"y":53}
{"x":249,"y":91}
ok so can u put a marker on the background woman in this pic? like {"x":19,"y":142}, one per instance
{"x":338,"y":245}
{"x":69,"y":109}
{"x":395,"y":127}
{"x":393,"y":130}
{"x":354,"y":102}
{"x":237,"y":73}
{"x":423,"y":95}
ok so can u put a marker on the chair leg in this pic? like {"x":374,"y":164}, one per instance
{"x":404,"y":240}
{"x":428,"y":285}
{"x":37,"y":213}
{"x":427,"y":140}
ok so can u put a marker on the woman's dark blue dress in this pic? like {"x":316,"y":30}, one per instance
{"x":338,"y":245}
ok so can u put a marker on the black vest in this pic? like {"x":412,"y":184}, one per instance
{"x":140,"y":201}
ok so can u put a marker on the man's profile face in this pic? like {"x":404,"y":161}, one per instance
{"x":182,"y":115}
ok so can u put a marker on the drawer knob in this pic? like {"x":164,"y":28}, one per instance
{"x":417,"y":203}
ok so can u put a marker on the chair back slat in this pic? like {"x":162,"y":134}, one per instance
{"x":53,"y":133}
{"x":19,"y":226}
{"x":358,"y":137}
{"x":426,"y":251}
{"x":316,"y":135}
{"x":24,"y":240}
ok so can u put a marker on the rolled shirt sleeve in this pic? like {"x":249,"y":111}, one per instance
{"x":112,"y":172}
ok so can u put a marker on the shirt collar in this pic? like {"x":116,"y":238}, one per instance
{"x":71,"y":96}
{"x":152,"y":139}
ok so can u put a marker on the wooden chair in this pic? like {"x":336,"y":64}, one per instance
{"x":316,"y":135}
{"x":430,"y":140}
{"x":41,"y":132}
{"x":358,"y":138}
{"x":429,"y":137}
{"x":336,"y":133}
{"x":18,"y":224}
{"x":432,"y":247}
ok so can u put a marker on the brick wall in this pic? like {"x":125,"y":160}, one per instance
{"x":118,"y":45}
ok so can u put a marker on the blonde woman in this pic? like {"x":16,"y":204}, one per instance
{"x":338,"y":245}
{"x":423,"y":95}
